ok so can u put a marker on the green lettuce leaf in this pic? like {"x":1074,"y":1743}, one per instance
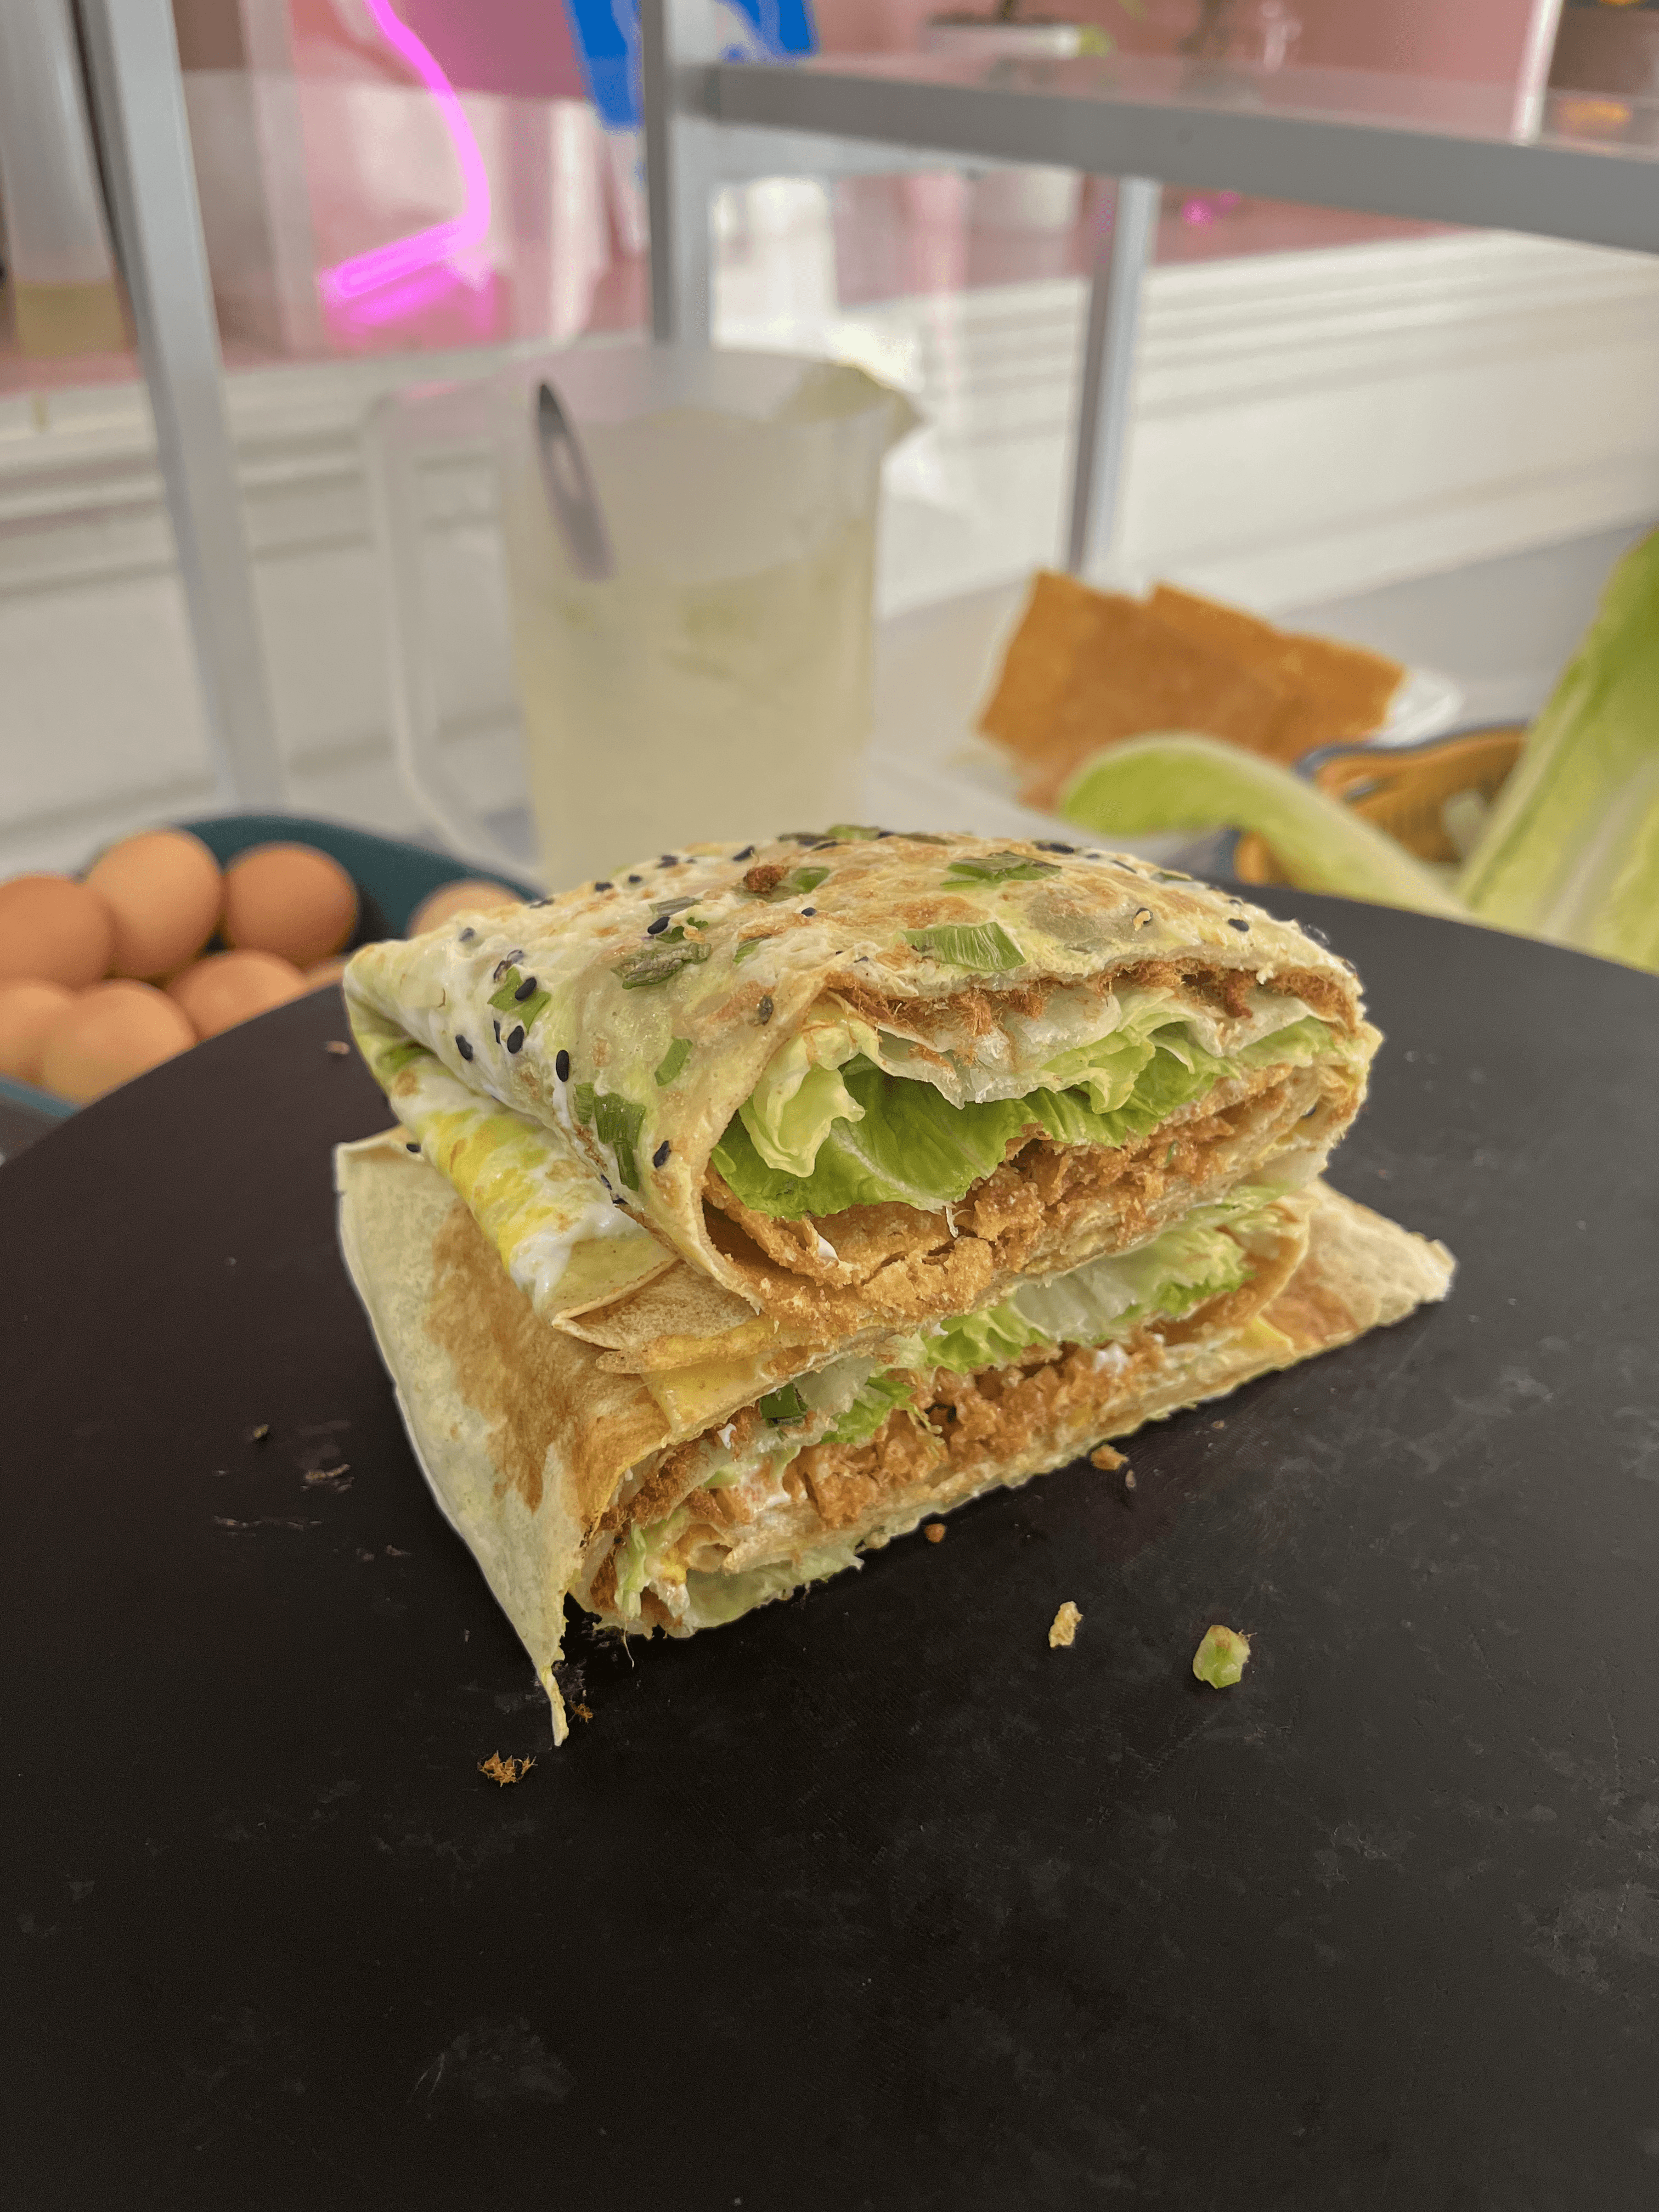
{"x":910,"y":1143}
{"x":980,"y":1339}
{"x":881,"y":1396}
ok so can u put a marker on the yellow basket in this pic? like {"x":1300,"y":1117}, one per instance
{"x":1400,"y":788}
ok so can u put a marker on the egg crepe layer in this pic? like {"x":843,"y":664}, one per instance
{"x":678,"y":1499}
{"x":745,"y":1099}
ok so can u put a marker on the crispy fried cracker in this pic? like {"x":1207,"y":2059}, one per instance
{"x":1247,"y":639}
{"x":1060,"y":618}
{"x":1087,"y":668}
{"x":1138,"y":674}
{"x":1337,"y":691}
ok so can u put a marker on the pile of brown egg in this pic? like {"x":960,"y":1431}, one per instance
{"x":106,"y":975}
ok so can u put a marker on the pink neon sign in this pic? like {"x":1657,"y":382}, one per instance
{"x":349,"y":281}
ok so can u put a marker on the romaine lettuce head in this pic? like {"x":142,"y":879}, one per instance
{"x":1571,"y":850}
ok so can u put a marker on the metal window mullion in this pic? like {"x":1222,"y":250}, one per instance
{"x":139,"y":99}
{"x":1106,"y":385}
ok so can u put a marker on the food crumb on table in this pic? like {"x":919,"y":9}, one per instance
{"x":505,"y":1770}
{"x":1222,"y":1657}
{"x":1062,"y":1631}
{"x":340,"y":1051}
{"x":935,"y":1532}
{"x":1106,"y":1459}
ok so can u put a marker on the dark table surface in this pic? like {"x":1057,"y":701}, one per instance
{"x":870,"y":1899}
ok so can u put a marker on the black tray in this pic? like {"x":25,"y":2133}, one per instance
{"x":870,"y":1899}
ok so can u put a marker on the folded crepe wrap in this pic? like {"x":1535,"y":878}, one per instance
{"x":682,"y":1497}
{"x":743,"y":1099}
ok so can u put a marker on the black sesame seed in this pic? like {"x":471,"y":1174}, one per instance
{"x":669,"y":860}
{"x":606,"y":1180}
{"x":467,"y":937}
{"x":883,"y":832}
{"x":660,"y":1158}
{"x":747,"y":853}
{"x":764,"y":1011}
{"x":516,"y":1037}
{"x":602,"y":887}
{"x":805,"y":910}
{"x":656,"y":928}
{"x":1053,"y":845}
{"x":1237,"y":921}
{"x":498,"y":1032}
{"x":622,"y":1202}
{"x":636,"y":879}
{"x":413,"y":1148}
{"x":462,"y":1046}
{"x":526,"y":990}
{"x":561,"y":1068}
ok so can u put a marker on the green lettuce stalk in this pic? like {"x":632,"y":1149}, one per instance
{"x":1186,"y":782}
{"x":1571,"y":850}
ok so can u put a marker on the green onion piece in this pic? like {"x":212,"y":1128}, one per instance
{"x":586,"y":1097}
{"x":616,"y":1122}
{"x":658,"y":962}
{"x":785,"y":1405}
{"x":1220,"y":1658}
{"x":997,"y":868}
{"x":852,"y":833}
{"x":672,"y":1061}
{"x":505,"y":1001}
{"x":745,"y":946}
{"x":984,"y":946}
{"x":795,"y":884}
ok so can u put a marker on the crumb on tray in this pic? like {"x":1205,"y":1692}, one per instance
{"x":935,"y":1532}
{"x":503,"y":1771}
{"x":1062,"y":1631}
{"x":1221,"y":1658}
{"x":1106,"y":1459}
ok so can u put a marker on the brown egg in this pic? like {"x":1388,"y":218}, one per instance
{"x":27,"y":1011}
{"x":108,"y":1035}
{"x":53,"y":930}
{"x":165,"y":890}
{"x":471,"y":894}
{"x":227,"y":988}
{"x":322,"y":973}
{"x":289,"y":899}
